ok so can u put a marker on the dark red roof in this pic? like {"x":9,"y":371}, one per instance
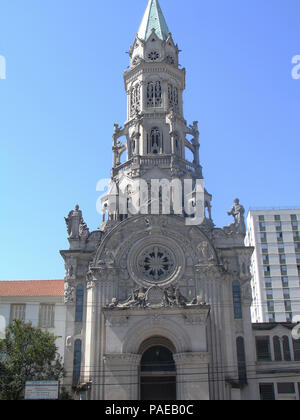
{"x":32,"y":288}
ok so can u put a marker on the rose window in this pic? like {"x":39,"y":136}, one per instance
{"x":153,"y":55}
{"x":156,"y":264}
{"x":155,"y":260}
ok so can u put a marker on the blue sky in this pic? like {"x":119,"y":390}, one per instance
{"x":64,"y":91}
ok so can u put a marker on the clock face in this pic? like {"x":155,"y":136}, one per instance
{"x":153,"y":55}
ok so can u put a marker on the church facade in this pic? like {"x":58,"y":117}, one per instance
{"x":158,"y":298}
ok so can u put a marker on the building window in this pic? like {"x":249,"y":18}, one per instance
{"x":263,"y":237}
{"x":271,"y":317}
{"x":135,"y":100}
{"x":264,"y":249}
{"x":261,"y":218}
{"x":270,"y":294}
{"x":288,"y":305}
{"x":270,"y":305}
{"x":177,"y":143}
{"x":154,"y":94}
{"x":268,"y":283}
{"x":267,"y":392}
{"x":278,"y":227}
{"x":267,"y":271}
{"x":296,"y":345}
{"x":77,"y":362}
{"x":262,"y":226}
{"x":241,"y":356}
{"x":286,"y":294}
{"x":289,"y":317}
{"x":17,"y":311}
{"x":263,"y":351}
{"x":237,"y":300}
{"x":155,"y":145}
{"x":79,"y":303}
{"x":277,"y":348}
{"x":286,"y":388}
{"x":293,"y":217}
{"x":286,"y":348}
{"x":279,"y":237}
{"x":298,"y":259}
{"x":295,"y":226}
{"x":266,"y":259}
{"x":285,"y":282}
{"x":277,"y":218}
{"x":173,"y":97}
{"x":280,"y":249}
{"x":282,"y":259}
{"x":46,"y":317}
{"x":283,"y":269}
{"x":296,"y":237}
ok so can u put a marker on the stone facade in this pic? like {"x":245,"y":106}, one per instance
{"x":155,"y":279}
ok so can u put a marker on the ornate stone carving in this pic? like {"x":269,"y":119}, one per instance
{"x":238,"y":213}
{"x":155,"y":297}
{"x":76,"y":226}
{"x":69,"y":291}
{"x":155,"y":260}
{"x":206,"y":254}
{"x":191,"y":358}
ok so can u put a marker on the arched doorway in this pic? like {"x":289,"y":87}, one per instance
{"x":157,"y":370}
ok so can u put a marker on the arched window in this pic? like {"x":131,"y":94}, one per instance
{"x":135,"y":100}
{"x":277,"y":348}
{"x":79,"y":303}
{"x":241,"y":357}
{"x":155,"y":145}
{"x":286,"y":348}
{"x":237,"y":300}
{"x":77,"y":362}
{"x":296,"y":346}
{"x":154,"y":94}
{"x":173,"y":97}
{"x":177,"y":144}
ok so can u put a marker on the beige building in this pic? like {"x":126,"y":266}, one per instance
{"x":38,"y":302}
{"x":275,"y":265}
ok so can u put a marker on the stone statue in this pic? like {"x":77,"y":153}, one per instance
{"x":238,"y":212}
{"x":76,"y":226}
{"x":73,"y":222}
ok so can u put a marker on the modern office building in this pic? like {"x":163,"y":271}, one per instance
{"x":275,"y":267}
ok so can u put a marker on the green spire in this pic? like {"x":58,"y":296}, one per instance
{"x":153,"y":19}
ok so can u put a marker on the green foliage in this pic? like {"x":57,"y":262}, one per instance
{"x":27,"y":354}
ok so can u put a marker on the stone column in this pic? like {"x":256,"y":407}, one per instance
{"x":192,"y":376}
{"x":121,"y":376}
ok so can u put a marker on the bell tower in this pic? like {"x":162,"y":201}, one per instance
{"x":156,"y":142}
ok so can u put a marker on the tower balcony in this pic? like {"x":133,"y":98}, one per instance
{"x":164,"y":161}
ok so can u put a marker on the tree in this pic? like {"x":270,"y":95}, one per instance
{"x":27,"y":354}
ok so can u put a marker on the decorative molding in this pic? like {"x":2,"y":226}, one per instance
{"x":115,"y":359}
{"x":193,"y":358}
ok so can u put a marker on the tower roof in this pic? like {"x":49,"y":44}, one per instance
{"x":153,"y":19}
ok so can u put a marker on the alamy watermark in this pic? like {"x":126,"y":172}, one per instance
{"x":156,"y":196}
{"x":296,"y":68}
{"x":2,"y":67}
{"x":296,"y":329}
